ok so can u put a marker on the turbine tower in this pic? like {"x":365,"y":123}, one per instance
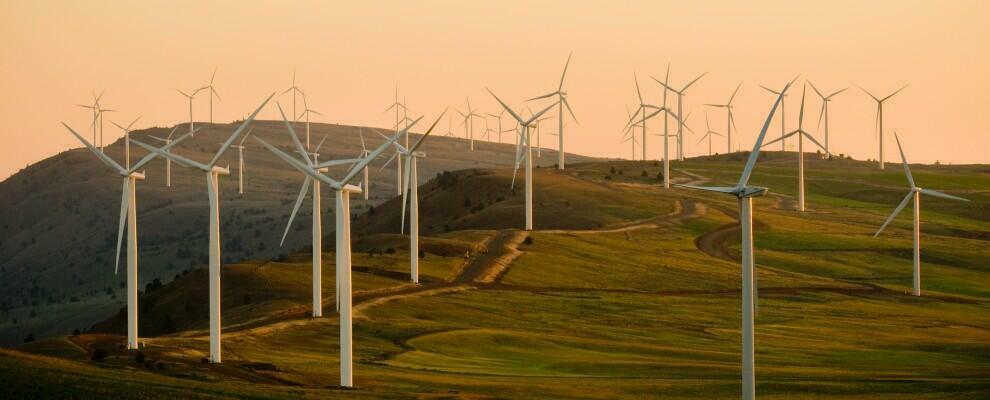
{"x":680,"y":110}
{"x":306,"y":113}
{"x":127,"y":137}
{"x":562,"y":102}
{"x":190,"y":97}
{"x":879,"y":121}
{"x":213,"y":92}
{"x":468,"y":123}
{"x":708,"y":134}
{"x":527,"y":149}
{"x":801,"y":134}
{"x":168,"y":163}
{"x":823,"y":115}
{"x":128,"y":214}
{"x":295,"y":90}
{"x":213,"y":173}
{"x":410,"y":195}
{"x":240,"y":161}
{"x":343,"y":236}
{"x":915,"y":195}
{"x":730,"y":122}
{"x":317,"y":238}
{"x":745,"y":194}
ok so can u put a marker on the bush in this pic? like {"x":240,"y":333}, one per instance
{"x":29,"y":338}
{"x":644,"y":174}
{"x":422,"y":254}
{"x":139,"y":357}
{"x":528,"y":240}
{"x":99,"y":355}
{"x":390,"y":250}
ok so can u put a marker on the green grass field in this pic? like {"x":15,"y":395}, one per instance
{"x":636,"y":296}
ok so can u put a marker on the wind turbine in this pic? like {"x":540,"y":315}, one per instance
{"x":168,"y":163}
{"x":364,"y":153}
{"x":128,"y":213}
{"x":680,"y":110}
{"x":824,"y":112}
{"x":641,"y":112}
{"x":527,"y":149}
{"x":709,"y":135}
{"x":468,"y":122}
{"x":880,"y":115}
{"x":343,"y":236}
{"x":745,"y":194}
{"x":499,"y":118}
{"x":127,"y":138}
{"x":240,"y":161}
{"x":190,"y":97}
{"x":313,"y":164}
{"x":295,"y":90}
{"x":306,"y":112}
{"x":801,"y":134}
{"x":450,"y":132}
{"x":914,"y":194}
{"x":213,"y":173}
{"x":562,"y":101}
{"x":730,"y":122}
{"x":95,"y":107}
{"x":213,"y":92}
{"x":411,"y":194}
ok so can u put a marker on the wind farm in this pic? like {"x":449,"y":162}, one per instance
{"x":728,"y":261}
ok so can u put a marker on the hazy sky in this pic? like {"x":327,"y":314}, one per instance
{"x":350,"y":56}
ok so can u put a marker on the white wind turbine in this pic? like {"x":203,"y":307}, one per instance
{"x":190,"y":97}
{"x":680,"y":111}
{"x":366,"y":185}
{"x":411,"y":194}
{"x":213,"y":173}
{"x":823,"y":115}
{"x":96,"y":115}
{"x":562,"y":102}
{"x":312,"y":161}
{"x":306,"y":112}
{"x":128,"y":213}
{"x":801,"y":134}
{"x":240,"y":161}
{"x":879,"y":120}
{"x":914,"y":194}
{"x":730,"y":121}
{"x":127,"y":137}
{"x":783,"y":117}
{"x":295,"y":90}
{"x":665,"y":135}
{"x":527,"y":149}
{"x":708,"y":134}
{"x":468,"y":122}
{"x":168,"y":163}
{"x":213,"y":92}
{"x":397,"y":106}
{"x":343,"y":236}
{"x":641,"y":112}
{"x":630,"y":135}
{"x":745,"y":194}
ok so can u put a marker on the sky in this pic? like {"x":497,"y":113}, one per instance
{"x":350,"y":56}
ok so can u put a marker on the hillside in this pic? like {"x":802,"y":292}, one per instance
{"x":638,"y":297}
{"x":60,"y":216}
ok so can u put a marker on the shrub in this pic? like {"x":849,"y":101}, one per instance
{"x":99,"y":355}
{"x":29,"y":338}
{"x":528,"y":240}
{"x":139,"y":357}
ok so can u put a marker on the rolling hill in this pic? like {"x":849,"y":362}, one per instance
{"x":60,"y":216}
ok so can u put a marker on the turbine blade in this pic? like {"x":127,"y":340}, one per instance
{"x":936,"y":193}
{"x":537,"y":115}
{"x":422,"y":138}
{"x":907,"y":170}
{"x":334,"y":163}
{"x":755,"y":153}
{"x":569,"y":110}
{"x":99,"y":154}
{"x":816,"y":89}
{"x":124,"y":200}
{"x":302,"y":194}
{"x":306,"y":169}
{"x":638,"y":93}
{"x":388,"y":162}
{"x":374,"y":153}
{"x":895,"y":92}
{"x":295,"y":138}
{"x":894,"y":214}
{"x":563,"y":74}
{"x":737,"y":91}
{"x":719,"y":189}
{"x":506,"y":107}
{"x":152,"y":155}
{"x":320,"y":144}
{"x":540,"y":97}
{"x":238,"y":131}
{"x":185,"y":162}
{"x":685,"y":88}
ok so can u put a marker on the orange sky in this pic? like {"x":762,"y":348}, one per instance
{"x":350,"y":56}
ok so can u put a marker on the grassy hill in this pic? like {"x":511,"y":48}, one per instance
{"x":624,"y":290}
{"x":60,"y":215}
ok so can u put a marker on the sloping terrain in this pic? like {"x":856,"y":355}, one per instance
{"x":638,"y":297}
{"x":60,"y":215}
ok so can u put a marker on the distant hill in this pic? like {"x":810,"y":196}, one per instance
{"x":59,"y":216}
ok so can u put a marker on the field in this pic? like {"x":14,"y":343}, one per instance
{"x":624,"y":290}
